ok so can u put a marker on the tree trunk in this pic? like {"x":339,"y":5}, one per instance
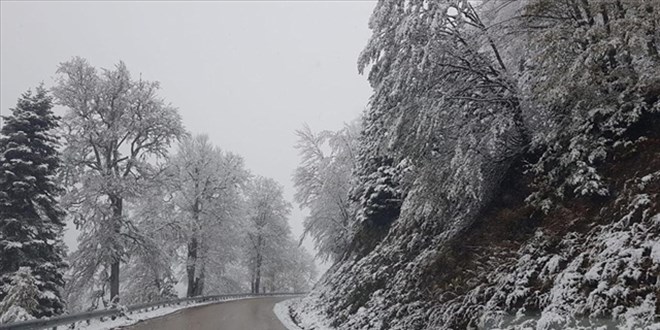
{"x":199,"y":283}
{"x":272,"y":282}
{"x":252,"y":283}
{"x":114,"y":282}
{"x":190,"y":266}
{"x":117,"y":209}
{"x":192,"y":253}
{"x":257,"y":277}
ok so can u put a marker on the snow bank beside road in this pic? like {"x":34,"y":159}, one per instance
{"x":281,"y":310}
{"x":307,"y":320}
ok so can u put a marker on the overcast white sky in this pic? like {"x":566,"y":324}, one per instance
{"x":247,"y":73}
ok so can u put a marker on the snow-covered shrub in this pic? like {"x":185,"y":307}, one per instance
{"x":20,"y":303}
{"x":598,"y":91}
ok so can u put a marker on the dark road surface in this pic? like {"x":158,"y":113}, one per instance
{"x":244,"y":314}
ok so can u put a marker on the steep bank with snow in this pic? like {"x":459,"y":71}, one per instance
{"x":510,"y":170}
{"x":588,"y":263}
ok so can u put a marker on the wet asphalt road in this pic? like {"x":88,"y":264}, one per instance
{"x":244,"y":314}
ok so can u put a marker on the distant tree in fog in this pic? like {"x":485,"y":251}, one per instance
{"x":206,"y":184}
{"x":268,"y":229}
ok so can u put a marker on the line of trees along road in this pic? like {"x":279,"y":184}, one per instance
{"x":150,"y":221}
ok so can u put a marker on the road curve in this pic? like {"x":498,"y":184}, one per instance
{"x":244,"y":314}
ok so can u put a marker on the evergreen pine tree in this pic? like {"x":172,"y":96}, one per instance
{"x":31,"y":220}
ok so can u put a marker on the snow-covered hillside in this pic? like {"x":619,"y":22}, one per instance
{"x":519,"y":145}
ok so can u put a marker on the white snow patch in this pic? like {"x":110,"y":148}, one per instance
{"x":13,"y":245}
{"x":281,"y":310}
{"x":306,"y":315}
{"x":48,"y":295}
{"x":15,"y":314}
{"x":655,"y":253}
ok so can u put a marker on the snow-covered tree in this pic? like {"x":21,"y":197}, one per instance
{"x":20,"y":302}
{"x":151,"y":258}
{"x":206,"y":184}
{"x":115,"y":127}
{"x":596,"y":93}
{"x":322,"y":182}
{"x":435,"y":76}
{"x":150,"y":271}
{"x":445,"y":120}
{"x":302,"y":273}
{"x":268,"y":230}
{"x":291,"y":271}
{"x":31,"y":219}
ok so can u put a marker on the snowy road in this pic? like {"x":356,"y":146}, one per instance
{"x":245,"y":314}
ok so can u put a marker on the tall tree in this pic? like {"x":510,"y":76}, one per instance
{"x":31,"y":219}
{"x":445,"y":103}
{"x":322,"y":185}
{"x":207,"y":185}
{"x":115,"y":126}
{"x":268,"y":229}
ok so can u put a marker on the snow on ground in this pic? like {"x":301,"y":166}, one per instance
{"x":281,"y":310}
{"x":599,"y":270}
{"x":307,"y":320}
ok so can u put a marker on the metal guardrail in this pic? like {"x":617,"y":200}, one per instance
{"x":72,"y":319}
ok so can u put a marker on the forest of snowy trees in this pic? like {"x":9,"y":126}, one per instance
{"x":160,"y":210}
{"x":507,"y":173}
